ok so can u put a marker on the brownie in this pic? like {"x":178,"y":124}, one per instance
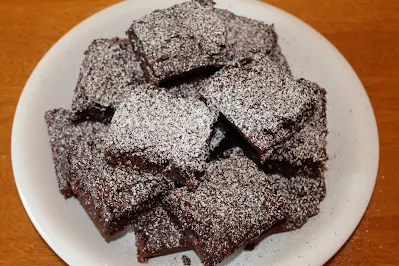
{"x":309,"y":143}
{"x":64,"y":134}
{"x":247,"y":36}
{"x":178,"y":42}
{"x":304,"y":197}
{"x":157,"y":235}
{"x":158,"y":132}
{"x":107,"y":75}
{"x":112,"y":196}
{"x":233,"y":206}
{"x":305,"y":152}
{"x":265,"y":105}
{"x":192,"y":90}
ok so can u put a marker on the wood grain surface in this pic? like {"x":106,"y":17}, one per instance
{"x":365,"y":31}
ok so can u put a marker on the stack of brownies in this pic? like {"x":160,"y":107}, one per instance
{"x":193,"y":131}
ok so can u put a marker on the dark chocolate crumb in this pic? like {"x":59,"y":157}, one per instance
{"x":186,"y":260}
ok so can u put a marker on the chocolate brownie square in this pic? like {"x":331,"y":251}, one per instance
{"x":64,"y":134}
{"x":192,"y":90}
{"x":157,"y":235}
{"x":230,"y":208}
{"x":178,"y":42}
{"x":265,"y":105}
{"x":305,"y":152}
{"x":107,"y":75}
{"x":246,"y":37}
{"x":112,"y":196}
{"x":158,"y":132}
{"x":304,"y":196}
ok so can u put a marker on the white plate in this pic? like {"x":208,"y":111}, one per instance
{"x":352,"y":145}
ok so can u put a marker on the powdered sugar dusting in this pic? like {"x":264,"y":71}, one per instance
{"x":108,"y":73}
{"x":217,"y":137}
{"x":309,"y":143}
{"x":192,"y":90}
{"x":163,"y":130}
{"x":111,"y":195}
{"x":64,"y":134}
{"x":233,"y":206}
{"x":246,"y":37}
{"x":156,"y":234}
{"x":260,"y":100}
{"x":304,"y":195}
{"x":188,"y":89}
{"x":178,"y":39}
{"x":279,"y":59}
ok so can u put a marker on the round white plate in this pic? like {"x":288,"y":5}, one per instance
{"x":352,"y":145}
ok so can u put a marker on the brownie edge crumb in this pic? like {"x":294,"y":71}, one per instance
{"x":186,"y":260}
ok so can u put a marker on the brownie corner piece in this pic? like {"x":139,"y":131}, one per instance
{"x":232,"y":207}
{"x":112,"y":196}
{"x":304,"y":194}
{"x":305,"y":151}
{"x":108,"y":73}
{"x":155,"y":131}
{"x":246,"y":37}
{"x":64,"y":133}
{"x":157,"y":235}
{"x":178,"y":42}
{"x":262,"y":103}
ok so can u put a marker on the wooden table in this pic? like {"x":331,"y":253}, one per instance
{"x":365,"y":31}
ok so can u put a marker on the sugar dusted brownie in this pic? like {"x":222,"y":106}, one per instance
{"x":178,"y":42}
{"x":309,"y":143}
{"x":246,"y":37}
{"x":232,"y":207}
{"x":157,"y":235}
{"x":107,"y":75}
{"x":192,"y":89}
{"x":304,"y":196}
{"x":64,"y":134}
{"x":265,"y":105}
{"x":305,"y":152}
{"x":156,"y":132}
{"x":112,"y":196}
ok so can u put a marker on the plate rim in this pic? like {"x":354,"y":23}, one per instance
{"x":44,"y":235}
